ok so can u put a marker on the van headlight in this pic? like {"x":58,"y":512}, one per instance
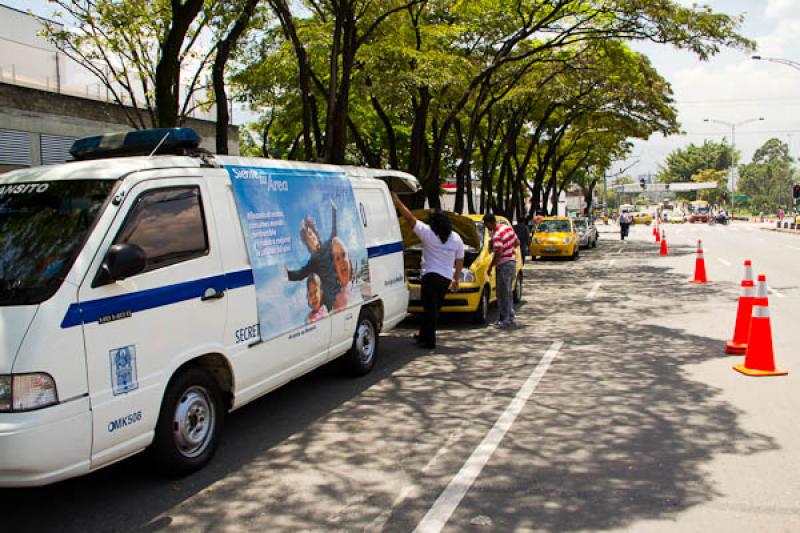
{"x":467,"y":276}
{"x":24,"y":392}
{"x":567,"y":240}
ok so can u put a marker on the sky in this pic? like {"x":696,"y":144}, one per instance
{"x":730,"y":87}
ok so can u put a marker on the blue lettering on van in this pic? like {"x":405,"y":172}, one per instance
{"x":394,"y":281}
{"x":124,"y":421}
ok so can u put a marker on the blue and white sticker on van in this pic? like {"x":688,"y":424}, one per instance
{"x":124,"y":377}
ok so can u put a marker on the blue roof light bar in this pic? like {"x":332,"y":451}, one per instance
{"x":138,"y":142}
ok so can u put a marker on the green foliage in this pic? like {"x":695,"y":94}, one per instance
{"x":683,"y":164}
{"x":767,"y":179}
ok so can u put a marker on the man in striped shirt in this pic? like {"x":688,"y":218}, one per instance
{"x":504,"y":241}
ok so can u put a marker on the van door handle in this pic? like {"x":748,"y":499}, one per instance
{"x":211,"y":294}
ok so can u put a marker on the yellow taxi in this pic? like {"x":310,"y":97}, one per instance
{"x":555,"y":237}
{"x":642,"y":217}
{"x":676,"y":217}
{"x":476,"y":290}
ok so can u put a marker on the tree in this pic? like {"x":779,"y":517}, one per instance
{"x":767,"y":179}
{"x":233,"y":28}
{"x":682,"y":164}
{"x":139,"y":50}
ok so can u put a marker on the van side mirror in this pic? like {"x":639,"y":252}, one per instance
{"x":122,"y":261}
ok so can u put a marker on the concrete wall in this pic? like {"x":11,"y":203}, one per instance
{"x":41,"y":112}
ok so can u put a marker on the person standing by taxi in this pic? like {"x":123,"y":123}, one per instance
{"x":504,"y":241}
{"x":442,"y":261}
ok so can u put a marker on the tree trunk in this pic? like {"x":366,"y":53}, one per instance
{"x":281,"y":9}
{"x":224,"y":49}
{"x":168,"y":70}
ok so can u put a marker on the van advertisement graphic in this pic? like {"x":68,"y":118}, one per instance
{"x":306,"y":244}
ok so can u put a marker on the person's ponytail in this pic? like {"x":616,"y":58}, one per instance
{"x":440,"y":225}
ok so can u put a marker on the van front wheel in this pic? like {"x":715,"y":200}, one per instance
{"x":189,"y":424}
{"x":361,"y":357}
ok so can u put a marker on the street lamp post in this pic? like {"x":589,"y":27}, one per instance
{"x":733,"y":126}
{"x":779,"y":60}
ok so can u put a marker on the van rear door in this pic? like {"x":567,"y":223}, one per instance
{"x":137,"y":330}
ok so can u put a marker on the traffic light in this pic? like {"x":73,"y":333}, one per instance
{"x":642,"y":184}
{"x":796,"y":191}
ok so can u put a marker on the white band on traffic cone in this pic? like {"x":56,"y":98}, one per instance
{"x":760,"y":311}
{"x":761,"y":289}
{"x":748,"y":291}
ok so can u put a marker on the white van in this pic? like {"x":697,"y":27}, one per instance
{"x":142,"y":298}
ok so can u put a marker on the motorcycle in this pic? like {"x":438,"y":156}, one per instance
{"x":718,"y":219}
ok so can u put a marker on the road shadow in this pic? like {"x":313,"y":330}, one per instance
{"x":616,"y":432}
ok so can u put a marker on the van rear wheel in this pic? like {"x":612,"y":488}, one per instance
{"x":518,"y":288}
{"x":189,"y":424}
{"x":360,"y":359}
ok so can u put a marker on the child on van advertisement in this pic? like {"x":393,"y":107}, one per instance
{"x":283,"y":213}
{"x":314,"y":294}
{"x":321,"y":260}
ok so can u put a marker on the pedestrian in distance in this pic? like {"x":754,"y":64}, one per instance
{"x":442,"y":261}
{"x":504,"y":242}
{"x":524,"y":235}
{"x":624,"y":224}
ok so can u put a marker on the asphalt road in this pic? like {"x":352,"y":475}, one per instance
{"x":611,"y":407}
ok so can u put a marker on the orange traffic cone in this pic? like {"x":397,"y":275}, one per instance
{"x":699,"y":266}
{"x":656,"y":234}
{"x":664,"y":250}
{"x":738,"y":345}
{"x":759,"y":360}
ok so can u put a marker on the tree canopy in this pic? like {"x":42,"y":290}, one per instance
{"x":511,"y":99}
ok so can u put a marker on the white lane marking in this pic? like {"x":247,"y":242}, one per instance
{"x":726,"y":263}
{"x":611,"y":263}
{"x":618,"y":252}
{"x":593,"y":291}
{"x":774,"y":292}
{"x":794,"y":247}
{"x":447,"y":502}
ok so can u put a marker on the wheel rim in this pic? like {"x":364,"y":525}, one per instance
{"x":484,"y":306}
{"x":193,"y":424}
{"x":365,"y":342}
{"x":518,"y":288}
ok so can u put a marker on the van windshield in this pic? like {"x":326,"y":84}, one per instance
{"x":42,"y":226}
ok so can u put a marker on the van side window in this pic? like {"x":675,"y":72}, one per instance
{"x":168,"y":224}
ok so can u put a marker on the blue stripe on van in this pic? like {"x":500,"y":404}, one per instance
{"x":384,"y":249}
{"x":91,"y":311}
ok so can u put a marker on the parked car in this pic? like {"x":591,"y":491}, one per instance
{"x":555,"y":237}
{"x":476,"y":289}
{"x":642,"y":217}
{"x":676,"y":217}
{"x":587,"y":232}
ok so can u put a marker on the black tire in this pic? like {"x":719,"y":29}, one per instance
{"x":190,"y":423}
{"x":518,"y":288}
{"x":481,"y":314}
{"x":360,"y":359}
